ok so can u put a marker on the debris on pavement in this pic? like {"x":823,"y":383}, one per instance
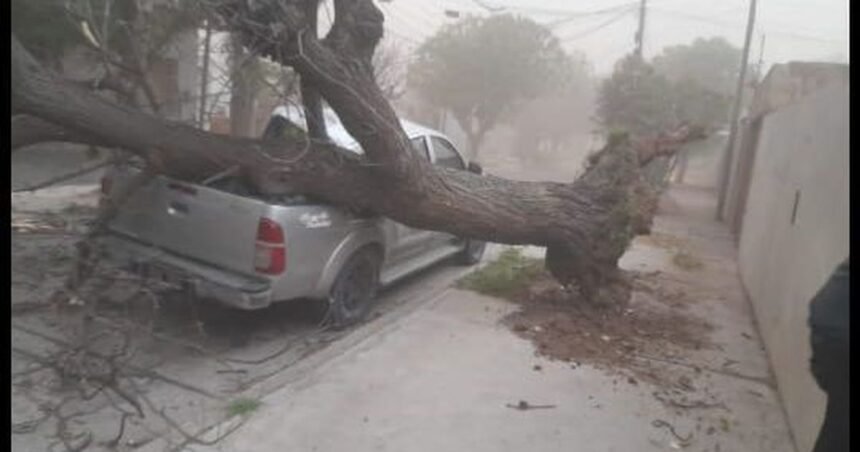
{"x":615,"y":340}
{"x":679,"y":399}
{"x":683,"y":441}
{"x":687,"y":261}
{"x":522,"y":405}
{"x":32,"y":225}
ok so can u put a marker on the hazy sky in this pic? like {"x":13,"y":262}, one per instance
{"x":810,"y":30}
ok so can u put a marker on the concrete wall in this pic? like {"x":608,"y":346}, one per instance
{"x":784,"y":85}
{"x":788,"y":82}
{"x":795,"y":232}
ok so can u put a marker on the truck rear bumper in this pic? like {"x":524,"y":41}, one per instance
{"x":205,"y":281}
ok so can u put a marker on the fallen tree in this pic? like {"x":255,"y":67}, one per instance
{"x":586,"y":225}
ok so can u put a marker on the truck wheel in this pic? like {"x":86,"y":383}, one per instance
{"x":354,"y":289}
{"x":472,"y":252}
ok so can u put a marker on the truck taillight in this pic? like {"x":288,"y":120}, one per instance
{"x":270,"y":253}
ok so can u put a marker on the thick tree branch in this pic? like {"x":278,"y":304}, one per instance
{"x":180,"y":150}
{"x":28,"y":130}
{"x":311,"y":99}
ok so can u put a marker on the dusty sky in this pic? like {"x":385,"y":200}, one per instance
{"x":805,"y":30}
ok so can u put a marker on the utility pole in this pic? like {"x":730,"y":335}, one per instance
{"x":640,"y":33}
{"x":760,"y":64}
{"x":725,"y":168}
{"x":204,"y":76}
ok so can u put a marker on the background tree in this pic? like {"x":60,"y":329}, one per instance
{"x":544,"y":126}
{"x":704,"y":74}
{"x":710,"y":63}
{"x":389,"y":70}
{"x":246,"y":73}
{"x":482,"y":68}
{"x":692,"y":83}
{"x":635,"y":98}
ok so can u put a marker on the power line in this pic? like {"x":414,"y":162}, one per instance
{"x":602,"y":25}
{"x":640,"y":33}
{"x":725,"y":167}
{"x":695,"y":18}
{"x":399,"y":16}
{"x":492,"y":9}
{"x":733,"y":26}
{"x":554,"y":12}
{"x":574,"y":16}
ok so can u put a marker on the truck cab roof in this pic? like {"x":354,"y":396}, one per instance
{"x":338,"y":133}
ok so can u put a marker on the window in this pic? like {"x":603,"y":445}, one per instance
{"x":419,"y":145}
{"x":446,"y":155}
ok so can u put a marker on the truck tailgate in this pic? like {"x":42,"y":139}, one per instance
{"x":197,"y":222}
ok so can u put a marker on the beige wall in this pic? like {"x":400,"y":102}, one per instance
{"x":803,"y":148}
{"x":784,"y":85}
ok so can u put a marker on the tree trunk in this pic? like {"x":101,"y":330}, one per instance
{"x":312,"y":101}
{"x":27,"y":130}
{"x":474,"y":144}
{"x":586,"y":225}
{"x":242,"y":92}
{"x":474,"y":132}
{"x":202,"y":120}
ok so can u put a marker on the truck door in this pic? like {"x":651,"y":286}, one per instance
{"x":407,"y":242}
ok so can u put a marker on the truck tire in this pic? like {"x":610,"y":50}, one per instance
{"x":354,"y":289}
{"x":472,"y":252}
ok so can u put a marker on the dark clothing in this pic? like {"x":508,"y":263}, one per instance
{"x":829,"y":322}
{"x":829,"y":308}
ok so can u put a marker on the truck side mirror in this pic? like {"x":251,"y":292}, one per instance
{"x":476,"y":168}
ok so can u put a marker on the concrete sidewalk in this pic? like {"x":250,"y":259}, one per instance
{"x":440,"y":378}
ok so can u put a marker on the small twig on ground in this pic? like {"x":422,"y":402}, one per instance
{"x":524,"y":406}
{"x":134,"y":371}
{"x":189,"y":438}
{"x":165,"y":338}
{"x":61,"y":428}
{"x":696,"y":368}
{"x":25,"y":307}
{"x":321,"y":327}
{"x":688,"y":404}
{"x":28,"y":426}
{"x":115,"y":441}
{"x":661,"y":423}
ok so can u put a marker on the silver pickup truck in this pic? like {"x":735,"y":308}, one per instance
{"x":223,"y":243}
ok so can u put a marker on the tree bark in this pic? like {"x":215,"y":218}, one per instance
{"x":242,"y":92}
{"x":202,"y":120}
{"x":312,"y":101}
{"x":586,"y":225}
{"x":27,"y":130}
